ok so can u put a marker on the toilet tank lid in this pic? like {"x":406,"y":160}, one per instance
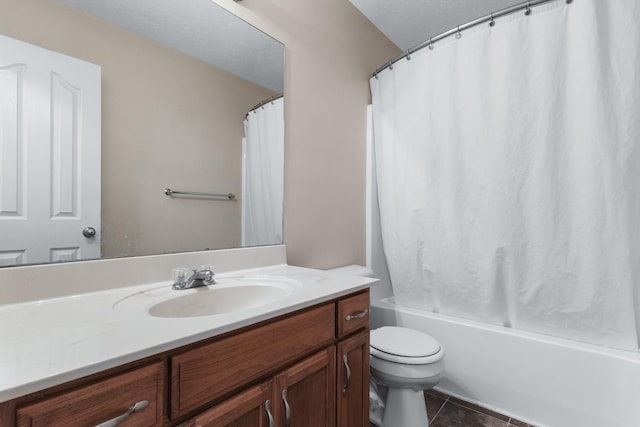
{"x":403,"y":342}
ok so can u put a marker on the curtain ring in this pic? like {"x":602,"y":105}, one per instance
{"x":492,"y":22}
{"x":431,"y":44}
{"x":375,"y":74}
{"x":458,"y":33}
{"x":527,"y":10}
{"x":408,"y":55}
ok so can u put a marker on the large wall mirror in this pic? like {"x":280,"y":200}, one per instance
{"x":105,"y":104}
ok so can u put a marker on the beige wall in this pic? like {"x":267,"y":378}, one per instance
{"x":167,"y":121}
{"x":331,"y":51}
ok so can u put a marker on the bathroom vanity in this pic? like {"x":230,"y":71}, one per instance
{"x":300,"y":361}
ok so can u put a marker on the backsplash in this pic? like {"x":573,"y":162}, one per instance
{"x":32,"y":283}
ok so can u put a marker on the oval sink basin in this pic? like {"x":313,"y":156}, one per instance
{"x":228,"y":295}
{"x":206,"y":301}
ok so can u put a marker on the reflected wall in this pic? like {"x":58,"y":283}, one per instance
{"x":168,"y":120}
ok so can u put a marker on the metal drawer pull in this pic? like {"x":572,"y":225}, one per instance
{"x":139,"y":406}
{"x":287,"y":408}
{"x":345,"y":388}
{"x":267,"y":407}
{"x":358,"y":315}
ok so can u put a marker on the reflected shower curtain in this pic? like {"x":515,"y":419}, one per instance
{"x":508,"y":167}
{"x":263,"y":170}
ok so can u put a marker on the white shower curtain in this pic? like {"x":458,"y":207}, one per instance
{"x":263,"y":170}
{"x":509,"y":173}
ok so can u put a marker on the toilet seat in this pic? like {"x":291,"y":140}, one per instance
{"x":405,"y":346}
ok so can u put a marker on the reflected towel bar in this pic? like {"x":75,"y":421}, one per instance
{"x":171,"y":193}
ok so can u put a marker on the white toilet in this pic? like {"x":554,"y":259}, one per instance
{"x":405,"y":362}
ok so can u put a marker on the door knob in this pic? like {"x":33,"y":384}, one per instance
{"x":89,"y":232}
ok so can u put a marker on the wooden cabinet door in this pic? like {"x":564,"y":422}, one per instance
{"x":204,"y":374}
{"x":353,"y":381}
{"x":307,"y":392}
{"x":251,"y":408}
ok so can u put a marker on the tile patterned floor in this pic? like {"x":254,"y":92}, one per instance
{"x":448,"y":411}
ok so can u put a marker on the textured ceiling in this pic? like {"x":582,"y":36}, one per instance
{"x":410,"y":22}
{"x":201,"y":29}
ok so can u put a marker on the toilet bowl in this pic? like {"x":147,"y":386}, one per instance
{"x":404,"y":362}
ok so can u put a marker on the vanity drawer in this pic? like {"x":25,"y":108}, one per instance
{"x":353,"y":314}
{"x":102,"y":401}
{"x":209,"y":372}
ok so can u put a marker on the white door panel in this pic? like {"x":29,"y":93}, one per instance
{"x":49,"y":155}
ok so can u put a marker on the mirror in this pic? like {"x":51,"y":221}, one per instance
{"x":175,"y":81}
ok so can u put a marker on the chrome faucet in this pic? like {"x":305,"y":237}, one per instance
{"x":202,"y":277}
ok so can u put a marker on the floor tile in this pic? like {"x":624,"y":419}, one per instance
{"x":454,"y":415}
{"x":517,"y":423}
{"x":479,"y":409}
{"x":433,"y":392}
{"x":434,"y":403}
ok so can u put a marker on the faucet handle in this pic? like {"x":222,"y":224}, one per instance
{"x":207,"y":267}
{"x":180,"y":276}
{"x":207,"y":271}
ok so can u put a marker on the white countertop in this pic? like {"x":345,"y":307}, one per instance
{"x":49,"y":342}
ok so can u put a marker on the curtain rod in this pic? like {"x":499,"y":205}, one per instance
{"x":490,"y":18}
{"x":266,"y":101}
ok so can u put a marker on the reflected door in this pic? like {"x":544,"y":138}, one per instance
{"x":49,"y":156}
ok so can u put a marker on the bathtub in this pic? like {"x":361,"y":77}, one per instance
{"x":535,"y":378}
